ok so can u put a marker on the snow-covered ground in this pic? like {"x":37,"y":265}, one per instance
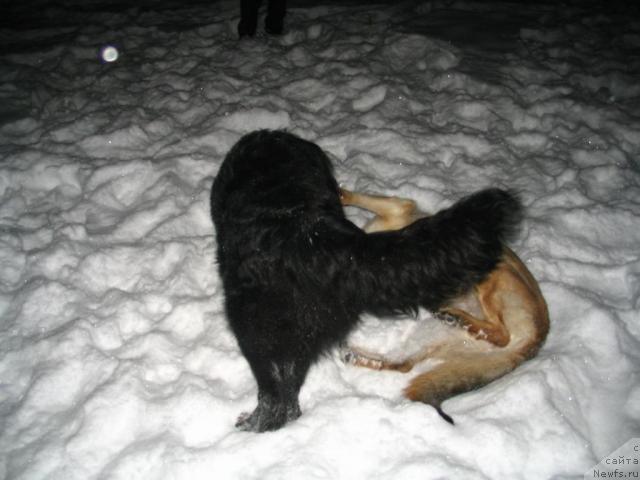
{"x":115,"y":358}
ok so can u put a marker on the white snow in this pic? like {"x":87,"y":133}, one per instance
{"x":115,"y":357}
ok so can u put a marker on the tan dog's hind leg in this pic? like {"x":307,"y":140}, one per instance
{"x":490,"y":328}
{"x":361,"y":358}
{"x":493,"y":331}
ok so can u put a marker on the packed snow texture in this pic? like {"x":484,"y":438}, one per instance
{"x":116,"y":361}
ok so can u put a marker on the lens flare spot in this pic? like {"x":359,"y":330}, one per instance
{"x":109,"y":54}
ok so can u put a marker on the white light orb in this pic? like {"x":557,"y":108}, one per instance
{"x":109,"y":54}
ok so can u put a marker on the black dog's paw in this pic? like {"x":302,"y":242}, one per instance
{"x":257,"y":421}
{"x":248,"y":422}
{"x":243,"y":421}
{"x":265,"y":418}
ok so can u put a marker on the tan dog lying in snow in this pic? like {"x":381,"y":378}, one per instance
{"x":506,"y":314}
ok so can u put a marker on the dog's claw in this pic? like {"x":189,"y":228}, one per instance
{"x":347,"y":356}
{"x":447,"y":318}
{"x":359,"y":359}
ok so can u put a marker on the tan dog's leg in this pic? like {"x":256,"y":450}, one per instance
{"x":362,"y":358}
{"x":392,"y":213}
{"x":488,"y":324}
{"x":492,"y":330}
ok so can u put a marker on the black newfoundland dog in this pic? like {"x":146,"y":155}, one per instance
{"x":297,"y":274}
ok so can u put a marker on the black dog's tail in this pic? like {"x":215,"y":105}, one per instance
{"x":436,"y":258}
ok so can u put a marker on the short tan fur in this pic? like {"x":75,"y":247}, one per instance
{"x":505,"y":314}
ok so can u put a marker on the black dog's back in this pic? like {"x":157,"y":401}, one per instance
{"x":436,"y":258}
{"x":297,"y":274}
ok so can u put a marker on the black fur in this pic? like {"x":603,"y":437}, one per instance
{"x":297,"y":274}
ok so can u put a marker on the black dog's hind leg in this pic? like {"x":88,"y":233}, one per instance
{"x":279,"y":383}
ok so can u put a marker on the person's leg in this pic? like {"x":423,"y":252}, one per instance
{"x":248,"y":17}
{"x":275,"y":16}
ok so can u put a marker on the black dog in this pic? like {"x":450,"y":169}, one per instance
{"x":297,"y":274}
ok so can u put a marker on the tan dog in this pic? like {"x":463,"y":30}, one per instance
{"x":506,"y":314}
